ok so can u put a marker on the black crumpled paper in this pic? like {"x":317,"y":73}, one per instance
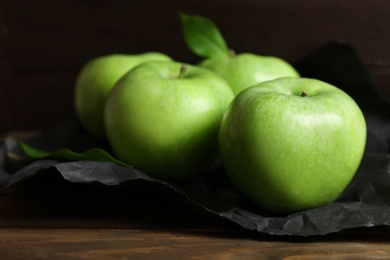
{"x":364,"y":203}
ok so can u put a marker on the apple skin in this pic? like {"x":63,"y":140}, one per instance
{"x":95,"y":81}
{"x":164,"y":124}
{"x":246,"y":69}
{"x":288,"y":152}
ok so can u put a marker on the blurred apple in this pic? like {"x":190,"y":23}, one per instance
{"x":95,"y":81}
{"x":239,"y":70}
{"x":247,"y":69}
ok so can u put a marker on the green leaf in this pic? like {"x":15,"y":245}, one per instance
{"x":203,"y":37}
{"x":94,"y":154}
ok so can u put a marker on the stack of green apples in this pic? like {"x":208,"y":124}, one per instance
{"x":288,"y":143}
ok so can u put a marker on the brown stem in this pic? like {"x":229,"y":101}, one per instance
{"x":183,"y":70}
{"x":232,"y":53}
{"x":303,"y":94}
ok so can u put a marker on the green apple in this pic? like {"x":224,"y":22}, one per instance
{"x":164,"y":117}
{"x":292,"y":144}
{"x":246,"y":69}
{"x":239,"y":70}
{"x":95,"y":81}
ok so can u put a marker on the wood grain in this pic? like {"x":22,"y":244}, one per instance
{"x":172,"y":244}
{"x":58,"y":220}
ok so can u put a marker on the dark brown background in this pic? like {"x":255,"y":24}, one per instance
{"x":44,"y":43}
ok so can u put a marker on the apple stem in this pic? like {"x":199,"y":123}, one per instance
{"x":232,"y":53}
{"x":303,"y":94}
{"x":183,"y":70}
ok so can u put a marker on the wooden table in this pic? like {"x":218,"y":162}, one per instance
{"x":53,"y":219}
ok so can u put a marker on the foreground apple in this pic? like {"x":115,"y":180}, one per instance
{"x":164,"y":118}
{"x":292,"y":143}
{"x":95,"y":81}
{"x":239,"y":70}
